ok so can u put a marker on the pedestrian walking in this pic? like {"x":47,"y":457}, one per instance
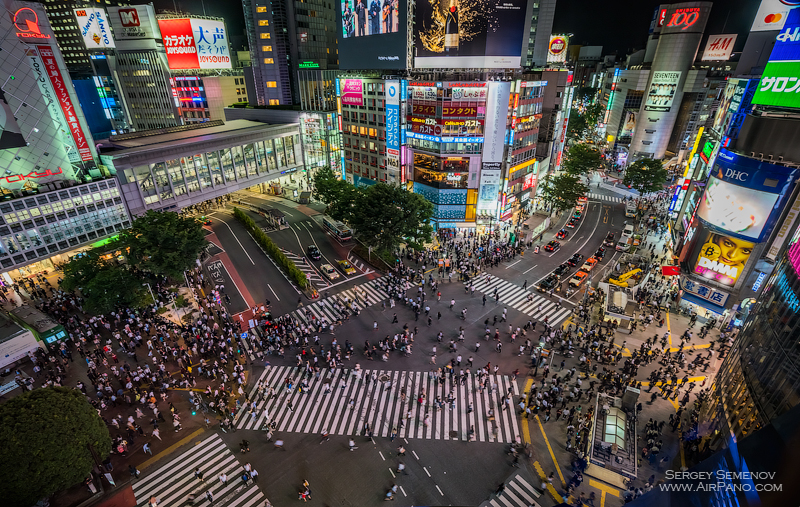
{"x":146,"y":448}
{"x":352,"y":444}
{"x":198,"y":474}
{"x":223,"y":479}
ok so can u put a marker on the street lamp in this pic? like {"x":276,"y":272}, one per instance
{"x":151,"y":291}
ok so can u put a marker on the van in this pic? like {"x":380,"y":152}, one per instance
{"x":624,"y":244}
{"x":627,"y":232}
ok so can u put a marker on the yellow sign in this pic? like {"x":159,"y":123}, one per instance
{"x":723,"y":258}
{"x":522,"y":165}
{"x":610,"y":139}
{"x":694,"y":150}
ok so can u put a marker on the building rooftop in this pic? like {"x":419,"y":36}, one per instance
{"x":9,"y":329}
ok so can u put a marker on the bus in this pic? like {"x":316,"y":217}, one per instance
{"x":43,"y":327}
{"x":630,"y":208}
{"x":337,"y":229}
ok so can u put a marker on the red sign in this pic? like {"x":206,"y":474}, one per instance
{"x":670,"y":270}
{"x":530,"y":181}
{"x":129,"y":17}
{"x":27,"y":22}
{"x":684,"y":18}
{"x":662,"y":16}
{"x":62,"y":94}
{"x":459,"y":111}
{"x":425,"y":110}
{"x":179,"y":43}
{"x":421,"y":84}
{"x":558,"y":45}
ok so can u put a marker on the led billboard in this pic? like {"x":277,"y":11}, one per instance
{"x":739,"y":210}
{"x":780,"y":81}
{"x":722,"y":258}
{"x":133,"y":22}
{"x":95,"y":28}
{"x":373,"y":34}
{"x":193,"y":43}
{"x":662,"y":91}
{"x":469,"y":33}
{"x":772,"y":15}
{"x":719,"y":47}
{"x":557,"y":49}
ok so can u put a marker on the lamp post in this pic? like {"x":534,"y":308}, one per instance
{"x":151,"y":291}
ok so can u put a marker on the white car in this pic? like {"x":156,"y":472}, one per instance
{"x":329,"y":272}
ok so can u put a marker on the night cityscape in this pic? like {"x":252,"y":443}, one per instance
{"x":528,"y":253}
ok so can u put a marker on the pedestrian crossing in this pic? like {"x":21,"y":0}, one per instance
{"x":518,"y":492}
{"x":602,"y":197}
{"x":368,"y":293}
{"x":173,"y":482}
{"x":310,"y":271}
{"x":352,"y":402}
{"x":514,"y":296}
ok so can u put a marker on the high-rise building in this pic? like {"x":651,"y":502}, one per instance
{"x":285,"y":37}
{"x":539,"y":39}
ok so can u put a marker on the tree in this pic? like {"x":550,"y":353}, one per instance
{"x":45,"y":440}
{"x":593,"y":113}
{"x":339,"y":195}
{"x":563,"y":190}
{"x":105,"y":285}
{"x":582,"y":158}
{"x":645,"y":175}
{"x":576,"y":127}
{"x":387,"y":215}
{"x":164,"y":243}
{"x":586,"y":93}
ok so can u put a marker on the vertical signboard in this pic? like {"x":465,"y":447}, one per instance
{"x":60,"y":87}
{"x":662,"y":91}
{"x":772,"y":15}
{"x":780,"y":81}
{"x":94,"y":26}
{"x":489,"y":186}
{"x":495,"y":123}
{"x":393,"y":123}
{"x":557,"y":49}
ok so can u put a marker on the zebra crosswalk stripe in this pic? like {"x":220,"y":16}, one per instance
{"x":351,"y":403}
{"x":603,"y":197}
{"x":174,"y":481}
{"x":370,"y":293}
{"x":518,"y":492}
{"x":516,"y":297}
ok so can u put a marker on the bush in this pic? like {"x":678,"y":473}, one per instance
{"x":271,"y":249}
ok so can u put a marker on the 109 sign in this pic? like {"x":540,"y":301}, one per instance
{"x":684,"y":18}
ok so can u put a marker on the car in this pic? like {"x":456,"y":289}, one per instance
{"x":579,"y":207}
{"x":313,"y":252}
{"x":600,"y":253}
{"x":562,"y":234}
{"x":590,"y":263}
{"x":572,"y":223}
{"x":575,"y":259}
{"x":329,"y":272}
{"x":346,"y":267}
{"x":627,"y":232}
{"x":577,"y":215}
{"x":561,"y":271}
{"x":552,"y":246}
{"x":583,"y":200}
{"x":204,"y":220}
{"x":578,"y":279}
{"x":610,"y":239}
{"x":549,"y":283}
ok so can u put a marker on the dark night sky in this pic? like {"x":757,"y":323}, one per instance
{"x":621,"y":25}
{"x":618,"y":25}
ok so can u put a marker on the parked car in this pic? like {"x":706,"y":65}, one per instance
{"x":578,"y":279}
{"x":552,"y":246}
{"x":313,"y":252}
{"x":562,"y":234}
{"x":562,"y":271}
{"x":575,"y":259}
{"x":610,"y":239}
{"x":346,"y":267}
{"x":548,"y":284}
{"x":329,"y":272}
{"x":573,"y":222}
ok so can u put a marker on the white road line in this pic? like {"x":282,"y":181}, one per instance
{"x":237,"y":240}
{"x":530,"y":269}
{"x":513,"y":263}
{"x":273,"y":292}
{"x":439,"y":490}
{"x":415,"y":454}
{"x":381,"y":454}
{"x":404,"y":491}
{"x":426,"y":471}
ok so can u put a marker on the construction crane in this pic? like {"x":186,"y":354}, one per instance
{"x":622,"y":280}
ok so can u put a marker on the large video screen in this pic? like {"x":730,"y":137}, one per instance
{"x":722,"y":258}
{"x":740,"y":210}
{"x":469,"y":33}
{"x":373,"y":34}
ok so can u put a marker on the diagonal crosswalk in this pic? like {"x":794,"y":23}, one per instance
{"x":310,"y":271}
{"x":514,"y":296}
{"x":519,"y":492}
{"x":345,"y":410}
{"x":173,"y":482}
{"x":368,"y":294}
{"x":603,"y":197}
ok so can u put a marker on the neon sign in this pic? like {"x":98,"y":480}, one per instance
{"x":27,"y":22}
{"x":31,"y":175}
{"x":684,"y":18}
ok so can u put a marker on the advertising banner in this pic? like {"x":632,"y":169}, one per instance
{"x":61,"y":89}
{"x":353,"y":92}
{"x":10,"y":132}
{"x":435,"y":126}
{"x":195,"y":43}
{"x":785,"y":229}
{"x":373,"y":34}
{"x":710,"y":294}
{"x":557,"y":49}
{"x":630,"y":123}
{"x":469,"y":33}
{"x":133,"y":22}
{"x":458,"y":111}
{"x":772,"y":15}
{"x":719,"y":47}
{"x":662,"y":91}
{"x":423,"y":92}
{"x":739,"y":210}
{"x":730,"y":100}
{"x":393,"y":123}
{"x":489,"y":186}
{"x":462,"y":93}
{"x":496,"y":115}
{"x":780,"y":81}
{"x":722,"y":258}
{"x":95,"y":29}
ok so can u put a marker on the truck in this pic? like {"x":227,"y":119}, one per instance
{"x":630,"y":208}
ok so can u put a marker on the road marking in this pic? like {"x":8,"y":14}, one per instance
{"x":381,"y":454}
{"x":603,"y":490}
{"x":546,"y":441}
{"x":404,"y":491}
{"x":513,"y":263}
{"x":415,"y":454}
{"x":273,"y":292}
{"x":426,"y":471}
{"x":526,"y":435}
{"x":439,"y":490}
{"x":391,"y":472}
{"x":668,"y":329}
{"x":529,"y":269}
{"x":237,"y":240}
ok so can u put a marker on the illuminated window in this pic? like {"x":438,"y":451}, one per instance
{"x":269,"y":60}
{"x":261,"y":9}
{"x":265,"y":36}
{"x":266,"y":48}
{"x":263,"y":22}
{"x":274,"y":102}
{"x":272,"y":84}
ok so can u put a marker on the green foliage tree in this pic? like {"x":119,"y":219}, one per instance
{"x":387,"y":215}
{"x":593,"y":113}
{"x":105,"y":285}
{"x":563,"y":190}
{"x":45,"y":436}
{"x":646,"y":175}
{"x":576,"y":127}
{"x":581,"y":158}
{"x":339,"y":195}
{"x":164,"y":243}
{"x":327,"y":186}
{"x":586,"y":93}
